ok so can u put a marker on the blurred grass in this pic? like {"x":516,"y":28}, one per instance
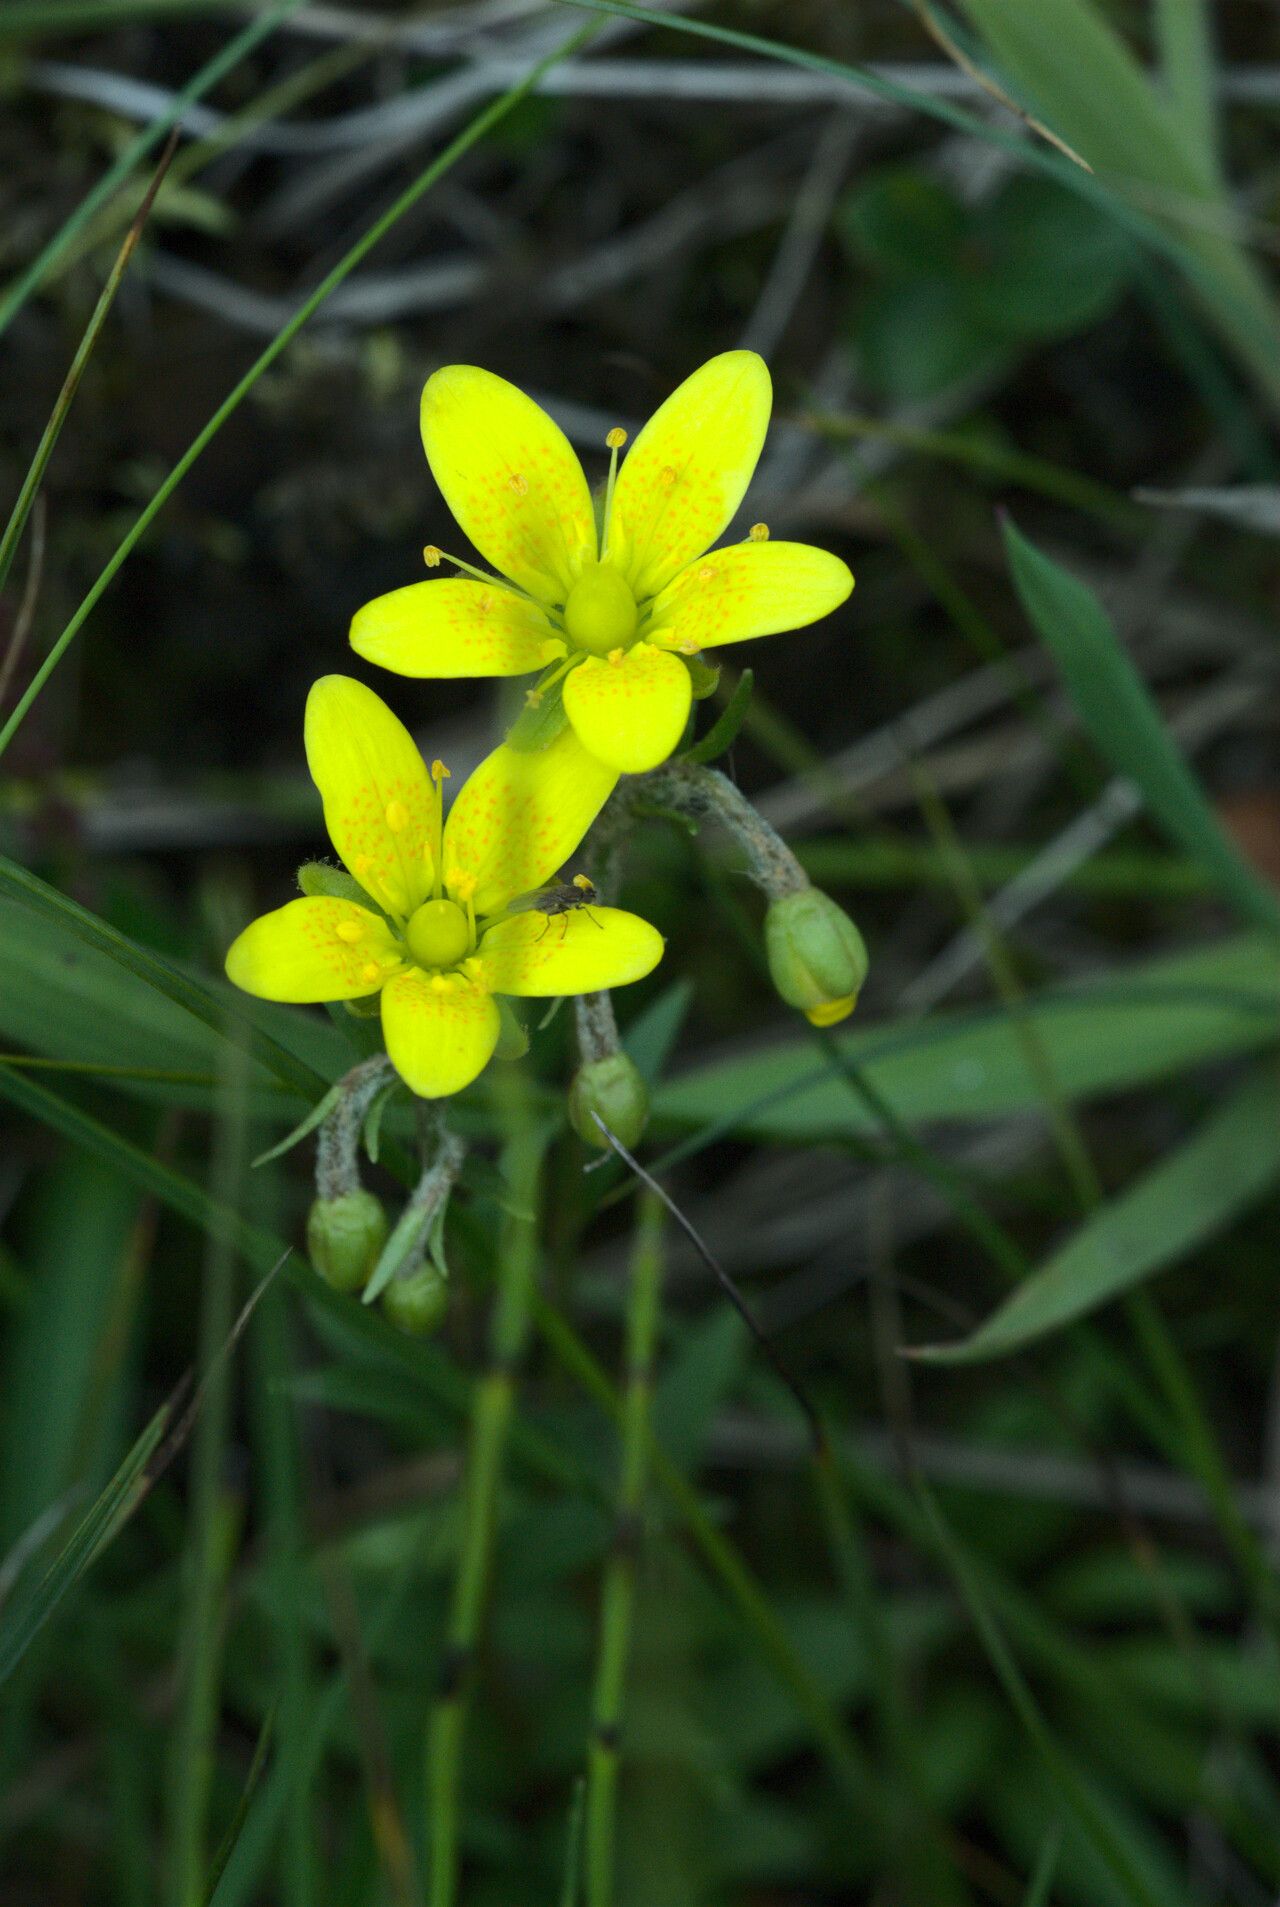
{"x":1017,"y":1642}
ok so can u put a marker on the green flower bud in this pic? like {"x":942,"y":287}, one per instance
{"x":417,"y":1304}
{"x":817,"y":957}
{"x":614,"y":1088}
{"x":345,"y":1236}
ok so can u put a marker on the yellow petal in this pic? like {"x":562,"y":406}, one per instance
{"x":511,"y":477}
{"x":579,"y":952}
{"x":519,"y":818}
{"x":749,"y":589}
{"x":688,"y":470}
{"x":630,"y":711}
{"x":378,"y":798}
{"x":449,"y":628}
{"x":314,"y":949}
{"x":440,"y":1031}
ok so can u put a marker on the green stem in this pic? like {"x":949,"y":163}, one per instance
{"x":469,"y":136}
{"x":213,"y":1518}
{"x":136,"y":151}
{"x":618,"y":1597}
{"x":491,"y":1410}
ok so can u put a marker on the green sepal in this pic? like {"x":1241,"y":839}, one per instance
{"x":723,"y":733}
{"x":538,"y":725}
{"x":513,"y":1038}
{"x":366,"y":1009}
{"x":323,"y":879}
{"x":703,"y":675}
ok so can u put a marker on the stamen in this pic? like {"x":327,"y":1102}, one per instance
{"x":615,"y":440}
{"x":533,"y":698}
{"x":758,"y":533}
{"x":439,"y":775}
{"x":433,"y":557}
{"x":471,"y":918}
{"x":615,"y":656}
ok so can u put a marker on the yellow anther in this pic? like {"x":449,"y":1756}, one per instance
{"x":397,"y":816}
{"x":615,"y":656}
{"x":439,"y":772}
{"x":518,"y":482}
{"x":616,"y":439}
{"x":533,"y":698}
{"x":485,"y":604}
{"x":431,"y":556}
{"x":350,"y":931}
{"x":666,"y":476}
{"x":370,"y":972}
{"x":759,"y":533}
{"x":462,"y":885}
{"x":707,"y":571}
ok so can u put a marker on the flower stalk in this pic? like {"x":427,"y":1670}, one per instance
{"x":618,"y":1594}
{"x":486,"y":1448}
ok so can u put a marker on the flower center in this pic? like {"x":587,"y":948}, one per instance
{"x":437,"y":933}
{"x":601,"y":611}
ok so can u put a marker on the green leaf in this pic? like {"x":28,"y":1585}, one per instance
{"x":1126,"y":1029}
{"x":74,"y":987}
{"x":24,"y":1617}
{"x":1116,"y":708}
{"x":1192,"y":1194}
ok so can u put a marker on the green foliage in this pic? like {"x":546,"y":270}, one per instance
{"x":947,"y":292}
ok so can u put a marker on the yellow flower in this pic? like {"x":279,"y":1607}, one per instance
{"x":610,"y":615}
{"x":443,"y":943}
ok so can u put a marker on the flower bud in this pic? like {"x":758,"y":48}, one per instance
{"x":345,"y":1236}
{"x":817,"y":957}
{"x":614,"y":1088}
{"x":417,"y":1304}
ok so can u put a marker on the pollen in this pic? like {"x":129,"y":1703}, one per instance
{"x":615,"y":656}
{"x":431,"y":556}
{"x":463,"y":885}
{"x":706,"y":572}
{"x":667,"y":476}
{"x":758,"y":533}
{"x":397,"y":817}
{"x":350,"y":931}
{"x":616,"y":439}
{"x":584,"y":882}
{"x":518,"y":482}
{"x":370,"y":972}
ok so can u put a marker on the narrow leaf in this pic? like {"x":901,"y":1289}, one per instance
{"x":1120,"y":715}
{"x":1192,"y":1194}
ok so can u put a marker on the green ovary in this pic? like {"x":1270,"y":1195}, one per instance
{"x":600,"y":614}
{"x":438,"y":935}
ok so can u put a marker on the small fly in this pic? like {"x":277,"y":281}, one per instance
{"x":559,"y":897}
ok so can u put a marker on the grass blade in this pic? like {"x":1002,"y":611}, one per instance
{"x":1192,"y":1194}
{"x":1119,"y":713}
{"x":471,"y":134}
{"x":71,"y":383}
{"x":16,"y":21}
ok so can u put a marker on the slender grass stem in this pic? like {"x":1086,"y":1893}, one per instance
{"x":470,"y":135}
{"x":213,"y":1516}
{"x":491,"y":1410}
{"x":71,"y":383}
{"x":618,"y":1595}
{"x":33,"y":20}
